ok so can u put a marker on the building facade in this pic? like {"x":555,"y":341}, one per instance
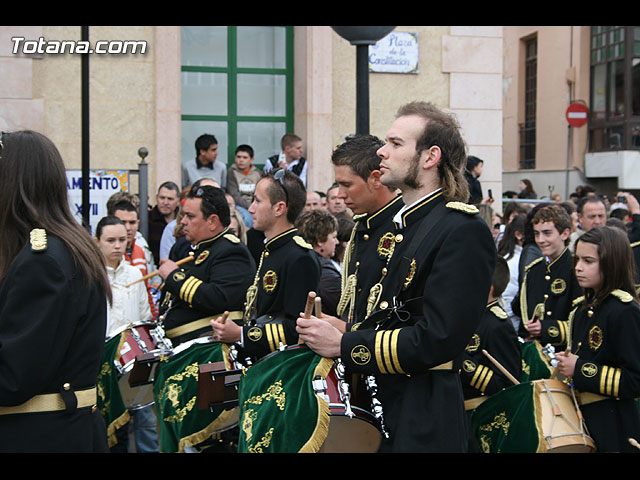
{"x":242,"y":84}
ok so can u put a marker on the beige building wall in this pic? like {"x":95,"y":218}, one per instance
{"x":562,"y":77}
{"x":135,"y":99}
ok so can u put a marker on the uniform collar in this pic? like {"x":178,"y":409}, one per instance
{"x":558,"y":259}
{"x":369,"y":221}
{"x":207,"y":243}
{"x":280,"y":239}
{"x":411,"y":213}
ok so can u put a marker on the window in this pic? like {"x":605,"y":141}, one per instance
{"x":528,"y":128}
{"x":615,"y":88}
{"x":237,"y":84}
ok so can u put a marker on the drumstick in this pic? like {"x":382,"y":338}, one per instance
{"x":153,"y":274}
{"x":556,"y":369}
{"x":318,"y":304}
{"x":308,"y":309}
{"x":501,"y":368}
{"x":633,"y":442}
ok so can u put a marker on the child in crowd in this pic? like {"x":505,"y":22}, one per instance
{"x":603,"y":359}
{"x":130,"y":305}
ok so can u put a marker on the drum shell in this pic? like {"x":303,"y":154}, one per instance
{"x":533,"y":417}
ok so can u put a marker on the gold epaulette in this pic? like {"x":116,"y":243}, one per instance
{"x":622,"y":295}
{"x":528,"y":267}
{"x":577,"y":301}
{"x":499,"y":312}
{"x":301,"y":241}
{"x":38,"y":238}
{"x":231,"y":237}
{"x":463,"y":207}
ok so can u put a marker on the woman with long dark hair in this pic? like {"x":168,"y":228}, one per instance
{"x":603,"y":359}
{"x":53,"y":294}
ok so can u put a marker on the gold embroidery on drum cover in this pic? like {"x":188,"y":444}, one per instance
{"x":173,"y":391}
{"x":595,"y":337}
{"x":269,"y":281}
{"x":274,"y":393}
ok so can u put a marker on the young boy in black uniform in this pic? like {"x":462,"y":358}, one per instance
{"x":549,"y":286}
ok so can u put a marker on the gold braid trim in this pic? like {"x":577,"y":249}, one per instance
{"x":321,"y":431}
{"x":252,"y":292}
{"x":115,"y":425}
{"x":347,"y":297}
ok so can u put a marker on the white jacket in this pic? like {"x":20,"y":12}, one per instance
{"x":130,"y":305}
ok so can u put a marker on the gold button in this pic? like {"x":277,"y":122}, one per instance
{"x":399,"y":238}
{"x":590,"y":313}
{"x":366,"y":236}
{"x":266,"y":254}
{"x":548,"y":314}
{"x":66,"y":386}
{"x":384,"y":305}
{"x":546,"y":295}
{"x":384,"y":270}
{"x":357,"y":264}
{"x":547,"y":277}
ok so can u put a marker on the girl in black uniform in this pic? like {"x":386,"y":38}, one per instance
{"x":604,"y":358}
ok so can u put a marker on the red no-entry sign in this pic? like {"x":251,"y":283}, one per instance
{"x":577,"y":114}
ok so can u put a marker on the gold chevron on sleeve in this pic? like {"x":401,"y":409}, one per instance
{"x":275,"y":335}
{"x":189,"y":288}
{"x":610,"y":381}
{"x":563,"y":326}
{"x":481,"y":378}
{"x":386,"y":351}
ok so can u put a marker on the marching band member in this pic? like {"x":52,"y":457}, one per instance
{"x":287,"y":272}
{"x":217,"y":278}
{"x":603,"y":359}
{"x":549,"y":285}
{"x":414,"y":340}
{"x":53,"y":294}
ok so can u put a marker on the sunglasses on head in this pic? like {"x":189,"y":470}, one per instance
{"x":279,"y":176}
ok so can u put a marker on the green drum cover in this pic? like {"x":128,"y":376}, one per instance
{"x":175,"y":390}
{"x":110,"y":403}
{"x":279,"y":410}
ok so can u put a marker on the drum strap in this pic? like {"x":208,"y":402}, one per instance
{"x":52,"y":402}
{"x":200,"y":323}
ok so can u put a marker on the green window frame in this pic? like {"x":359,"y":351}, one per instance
{"x":232,"y":71}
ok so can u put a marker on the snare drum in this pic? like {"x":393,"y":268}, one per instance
{"x":181,"y":423}
{"x":135,"y":340}
{"x":290,"y":401}
{"x":535,"y":417}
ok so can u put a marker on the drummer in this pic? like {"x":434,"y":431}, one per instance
{"x":288,"y":270}
{"x":414,"y":341}
{"x":549,"y":286}
{"x":357,"y":173}
{"x":495,"y":335}
{"x":129,"y":306}
{"x":604,"y":360}
{"x":217,"y":278}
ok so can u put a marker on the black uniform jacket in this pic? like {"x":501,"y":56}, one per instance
{"x":605,"y":338}
{"x":215,"y":281}
{"x":548,"y":291}
{"x":288,"y":271}
{"x":415,"y":352}
{"x":366,"y":255}
{"x":52,"y":333}
{"x":496,"y":335}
